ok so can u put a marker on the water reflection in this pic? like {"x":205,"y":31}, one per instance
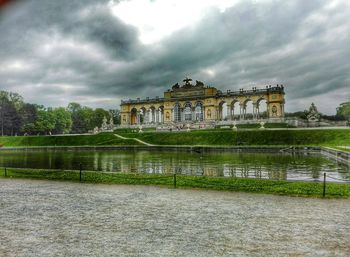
{"x":247,"y":165}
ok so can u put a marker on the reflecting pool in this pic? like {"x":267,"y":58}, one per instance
{"x":280,"y":166}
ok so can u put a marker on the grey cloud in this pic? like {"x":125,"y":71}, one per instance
{"x":249,"y":44}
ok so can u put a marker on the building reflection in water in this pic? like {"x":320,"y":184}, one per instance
{"x":225,"y":164}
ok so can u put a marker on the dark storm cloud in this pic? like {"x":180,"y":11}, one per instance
{"x":77,"y":50}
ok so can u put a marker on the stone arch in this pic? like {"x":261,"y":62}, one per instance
{"x":160,"y":114}
{"x":235,"y":109}
{"x":133,"y":116}
{"x":152,"y":114}
{"x":222,"y":110}
{"x":247,"y":112}
{"x":261,"y":110}
{"x":142,"y":114}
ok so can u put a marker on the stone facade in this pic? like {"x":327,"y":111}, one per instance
{"x":197,"y":103}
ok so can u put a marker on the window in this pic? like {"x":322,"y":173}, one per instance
{"x":188,"y":112}
{"x":177,"y":113}
{"x":199,"y":112}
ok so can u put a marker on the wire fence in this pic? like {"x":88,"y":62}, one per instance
{"x":170,"y":179}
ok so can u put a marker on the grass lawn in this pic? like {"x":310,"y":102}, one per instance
{"x":215,"y":137}
{"x":320,"y":137}
{"x":290,"y":188}
{"x":73,"y":140}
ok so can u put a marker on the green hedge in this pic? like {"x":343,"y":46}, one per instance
{"x":329,"y":137}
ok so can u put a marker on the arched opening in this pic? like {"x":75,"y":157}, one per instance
{"x":133,"y":116}
{"x":177,"y":113}
{"x":142,"y":115}
{"x":198,"y":112}
{"x":235,"y":110}
{"x":188,"y":112}
{"x":152,"y":114}
{"x":248,"y":113}
{"x":223,"y":111}
{"x":261,"y":109}
{"x":160,"y":114}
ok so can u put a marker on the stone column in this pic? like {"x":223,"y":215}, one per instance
{"x":157,"y":116}
{"x":204,"y":113}
{"x":146,"y":117}
{"x":138,"y":119}
{"x":153,"y":115}
{"x":254,"y":111}
{"x":229,"y":112}
{"x":241,"y":111}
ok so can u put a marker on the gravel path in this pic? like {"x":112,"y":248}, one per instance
{"x":43,"y":218}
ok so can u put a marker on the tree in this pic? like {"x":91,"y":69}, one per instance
{"x":81,"y":118}
{"x":45,"y":122}
{"x":98,"y":116}
{"x":29,"y":115}
{"x":115,"y":115}
{"x":344,"y":110}
{"x":301,"y":115}
{"x":63,"y":120}
{"x":10,"y":120}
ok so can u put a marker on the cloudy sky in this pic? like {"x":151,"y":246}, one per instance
{"x":97,"y":52}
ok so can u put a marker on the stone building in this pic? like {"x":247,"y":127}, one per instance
{"x":198,"y":103}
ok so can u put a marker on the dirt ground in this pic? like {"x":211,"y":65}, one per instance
{"x":44,"y":218}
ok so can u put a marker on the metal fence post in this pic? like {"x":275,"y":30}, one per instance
{"x":5,"y":172}
{"x":174,"y":180}
{"x":80,"y":167}
{"x":324,"y":184}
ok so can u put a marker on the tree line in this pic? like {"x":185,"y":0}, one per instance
{"x":20,"y":118}
{"x":342,"y":113}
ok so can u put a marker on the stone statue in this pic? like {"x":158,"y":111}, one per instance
{"x":199,"y":83}
{"x":262,"y":124}
{"x":111,"y":124}
{"x":176,"y":86}
{"x":187,"y":82}
{"x":313,"y":114}
{"x":234,"y":125}
{"x":104,"y":125}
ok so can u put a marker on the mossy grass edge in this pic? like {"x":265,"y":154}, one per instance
{"x":276,"y":187}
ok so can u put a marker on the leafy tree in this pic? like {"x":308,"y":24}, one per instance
{"x":333,"y":117}
{"x":301,"y":115}
{"x":98,"y":116}
{"x":29,"y":116}
{"x":344,"y":110}
{"x":45,"y":122}
{"x":81,"y":118}
{"x":10,"y":120}
{"x":115,"y":115}
{"x":63,"y":120}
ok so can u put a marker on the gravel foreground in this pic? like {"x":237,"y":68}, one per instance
{"x":45,"y":218}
